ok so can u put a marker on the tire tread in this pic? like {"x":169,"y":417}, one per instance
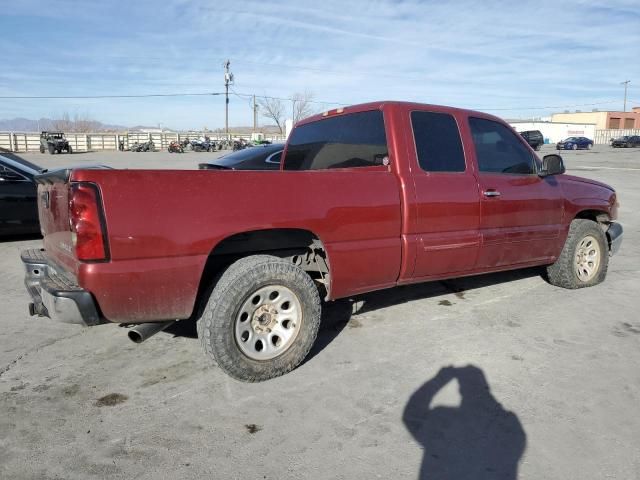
{"x":215,"y":335}
{"x":561,"y":273}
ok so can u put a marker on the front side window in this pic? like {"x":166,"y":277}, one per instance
{"x":498,"y":149}
{"x":437,"y":140}
{"x":347,"y":141}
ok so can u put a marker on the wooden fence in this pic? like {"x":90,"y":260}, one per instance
{"x":85,"y":142}
{"x":604,"y":136}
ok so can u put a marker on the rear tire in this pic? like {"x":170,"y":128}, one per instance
{"x":41,"y":149}
{"x":261,"y":319}
{"x":69,"y":150}
{"x":51,"y":149}
{"x":584,"y":259}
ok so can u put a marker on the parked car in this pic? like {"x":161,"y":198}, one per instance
{"x":260,"y":157}
{"x":250,"y":254}
{"x":18,"y":194}
{"x":626,"y":141}
{"x":575,"y":143}
{"x":54,"y":142}
{"x":534,"y":138}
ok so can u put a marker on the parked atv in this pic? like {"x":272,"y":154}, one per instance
{"x":175,"y":147}
{"x":201,"y":145}
{"x":143,"y":147}
{"x":54,"y":142}
{"x":240,"y":144}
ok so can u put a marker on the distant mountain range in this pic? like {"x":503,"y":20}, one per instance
{"x":28,"y":125}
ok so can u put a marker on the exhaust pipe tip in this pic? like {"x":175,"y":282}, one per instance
{"x":142,"y":332}
{"x":135,"y":336}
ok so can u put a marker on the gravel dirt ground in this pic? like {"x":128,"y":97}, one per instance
{"x":498,"y":376}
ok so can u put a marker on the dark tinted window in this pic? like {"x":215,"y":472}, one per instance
{"x":498,"y":149}
{"x":437,"y":142}
{"x":353,"y":140}
{"x":21,"y":161}
{"x":9,"y":175}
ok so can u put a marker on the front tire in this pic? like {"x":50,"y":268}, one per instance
{"x":584,"y":259}
{"x":261,"y":319}
{"x":574,"y":146}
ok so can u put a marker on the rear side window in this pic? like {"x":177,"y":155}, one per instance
{"x":347,"y":141}
{"x":498,"y":149}
{"x":437,"y":140}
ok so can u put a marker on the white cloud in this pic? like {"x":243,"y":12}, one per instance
{"x":490,"y":55}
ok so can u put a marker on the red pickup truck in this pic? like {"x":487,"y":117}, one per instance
{"x":368,"y":197}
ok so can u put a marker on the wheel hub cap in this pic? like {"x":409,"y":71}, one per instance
{"x":268,"y":322}
{"x":587,"y":261}
{"x":264,"y":319}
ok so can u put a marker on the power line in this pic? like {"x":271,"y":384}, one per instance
{"x":548,"y":107}
{"x":53,"y":97}
{"x":249,"y":96}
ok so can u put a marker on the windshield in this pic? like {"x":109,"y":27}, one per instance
{"x":572,"y":139}
{"x":15,"y":161}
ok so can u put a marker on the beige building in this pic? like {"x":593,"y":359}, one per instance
{"x":602,"y":120}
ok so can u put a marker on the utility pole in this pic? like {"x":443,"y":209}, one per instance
{"x":255,"y":115}
{"x":228,"y":78}
{"x":293,"y":111}
{"x":625,"y":93}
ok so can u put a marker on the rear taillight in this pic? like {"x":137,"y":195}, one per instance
{"x":88,"y":230}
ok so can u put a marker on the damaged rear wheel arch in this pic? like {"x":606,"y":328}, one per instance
{"x":302,"y":247}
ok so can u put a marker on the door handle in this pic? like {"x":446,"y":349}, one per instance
{"x":491,"y":193}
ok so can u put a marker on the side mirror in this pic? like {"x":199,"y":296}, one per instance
{"x":552,"y":165}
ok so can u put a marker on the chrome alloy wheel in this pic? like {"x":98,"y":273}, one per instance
{"x":587,"y":258}
{"x":268,"y":322}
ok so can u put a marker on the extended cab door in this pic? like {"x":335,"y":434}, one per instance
{"x":520,"y":213}
{"x":447,"y":210}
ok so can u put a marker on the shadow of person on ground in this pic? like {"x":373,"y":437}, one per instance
{"x":477,"y":440}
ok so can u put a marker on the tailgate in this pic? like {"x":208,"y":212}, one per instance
{"x":53,"y":212}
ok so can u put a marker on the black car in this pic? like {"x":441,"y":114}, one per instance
{"x":575,"y":143}
{"x":54,"y":142}
{"x":534,"y":138}
{"x":18,"y":196}
{"x":260,"y":157}
{"x":627,"y":141}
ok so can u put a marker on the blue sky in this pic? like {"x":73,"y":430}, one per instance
{"x":502,"y":57}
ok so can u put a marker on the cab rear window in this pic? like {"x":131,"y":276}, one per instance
{"x":437,"y":140}
{"x":346,"y":141}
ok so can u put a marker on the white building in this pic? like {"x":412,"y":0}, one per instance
{"x":554,"y":131}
